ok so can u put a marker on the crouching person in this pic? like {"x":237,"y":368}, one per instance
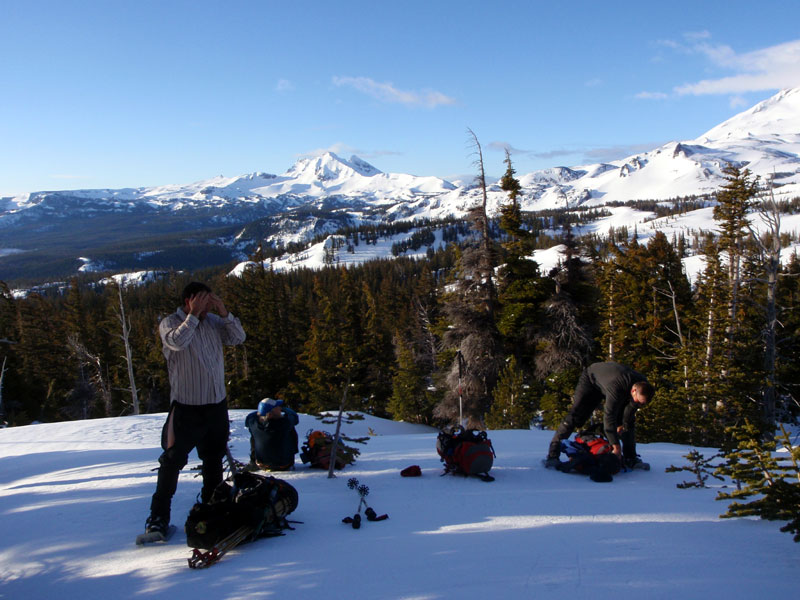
{"x":273,"y":438}
{"x":623,"y":391}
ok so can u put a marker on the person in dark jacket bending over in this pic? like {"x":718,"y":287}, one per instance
{"x":624,"y":391}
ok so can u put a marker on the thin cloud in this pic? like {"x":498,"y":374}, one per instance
{"x":774,"y":67}
{"x":503,"y":146}
{"x":553,"y":153}
{"x":386,"y":92}
{"x":612,"y":153}
{"x":739,"y":102}
{"x":651,"y":96}
{"x":593,"y":82}
{"x":284,"y":85}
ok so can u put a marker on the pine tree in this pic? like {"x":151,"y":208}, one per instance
{"x":773,"y":479}
{"x":734,"y":200}
{"x":471,"y":311}
{"x":411,"y":401}
{"x":514,"y":405}
{"x":700,"y":466}
{"x":522,"y":290}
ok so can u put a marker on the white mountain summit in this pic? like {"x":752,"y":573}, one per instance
{"x":321,"y":193}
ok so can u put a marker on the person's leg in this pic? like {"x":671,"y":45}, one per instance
{"x":628,"y":439}
{"x":179,"y":431}
{"x":212,"y":445}
{"x":585,"y":399}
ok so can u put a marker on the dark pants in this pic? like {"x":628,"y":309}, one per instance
{"x":586,"y":399}
{"x":203,"y":427}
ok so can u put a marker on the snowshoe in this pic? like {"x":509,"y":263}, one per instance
{"x":552,"y":463}
{"x":632,"y":464}
{"x":155,"y":536}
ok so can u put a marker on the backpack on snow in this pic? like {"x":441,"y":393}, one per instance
{"x":252,"y":501}
{"x":466,"y":451}
{"x":318,"y":448}
{"x":273,"y":444}
{"x":590,"y":454}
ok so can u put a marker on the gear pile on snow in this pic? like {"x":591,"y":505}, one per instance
{"x":318,"y":448}
{"x":466,"y":451}
{"x":590,"y":454}
{"x":250,"y":507}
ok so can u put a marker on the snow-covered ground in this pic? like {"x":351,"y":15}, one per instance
{"x":74,"y":495}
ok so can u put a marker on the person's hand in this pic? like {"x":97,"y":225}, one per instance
{"x":621,"y":428}
{"x":617,"y":450}
{"x":199,"y":304}
{"x":217,"y":305}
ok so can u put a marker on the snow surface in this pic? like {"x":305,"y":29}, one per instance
{"x":74,"y":495}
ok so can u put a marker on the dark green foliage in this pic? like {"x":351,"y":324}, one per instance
{"x":556,"y":398}
{"x":767,"y":482}
{"x":700,"y":466}
{"x":411,"y":400}
{"x":514,"y":405}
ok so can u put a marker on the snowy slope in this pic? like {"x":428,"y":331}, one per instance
{"x":73,"y":496}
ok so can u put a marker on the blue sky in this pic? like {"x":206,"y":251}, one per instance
{"x":142,"y":93}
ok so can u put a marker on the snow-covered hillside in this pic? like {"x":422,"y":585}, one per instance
{"x":74,"y":495}
{"x":324,"y":193}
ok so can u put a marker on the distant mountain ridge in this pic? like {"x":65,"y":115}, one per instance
{"x":321,"y":193}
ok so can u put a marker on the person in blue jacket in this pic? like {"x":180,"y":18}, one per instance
{"x":273,"y":437}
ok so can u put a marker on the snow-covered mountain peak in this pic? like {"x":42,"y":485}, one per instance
{"x":775,"y":115}
{"x":329,"y":166}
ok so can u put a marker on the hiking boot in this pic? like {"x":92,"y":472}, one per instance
{"x":552,"y":462}
{"x":156,"y":524}
{"x":636,"y":463}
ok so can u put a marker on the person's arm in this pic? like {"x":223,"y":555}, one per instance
{"x":610,"y":427}
{"x":231,"y":332}
{"x":291,"y":416}
{"x":177,"y":334}
{"x":616,"y":398}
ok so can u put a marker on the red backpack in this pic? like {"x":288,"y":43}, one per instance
{"x":466,"y":451}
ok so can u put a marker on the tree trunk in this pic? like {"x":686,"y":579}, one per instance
{"x":126,"y":329}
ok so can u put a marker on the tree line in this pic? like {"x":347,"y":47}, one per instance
{"x":474,"y":331}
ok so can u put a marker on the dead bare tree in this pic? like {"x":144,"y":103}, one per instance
{"x":125,"y":323}
{"x":92,"y":361}
{"x":769,"y":250}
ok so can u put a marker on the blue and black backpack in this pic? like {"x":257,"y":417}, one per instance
{"x":590,"y":454}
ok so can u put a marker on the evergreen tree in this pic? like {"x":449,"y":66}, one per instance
{"x":514,"y":405}
{"x":471,"y":311}
{"x":522,"y":290}
{"x":734,"y":200}
{"x":773,"y":479}
{"x":411,"y":401}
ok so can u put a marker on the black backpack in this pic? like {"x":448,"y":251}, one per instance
{"x":273,"y":444}
{"x":466,"y":451}
{"x":250,"y":501}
